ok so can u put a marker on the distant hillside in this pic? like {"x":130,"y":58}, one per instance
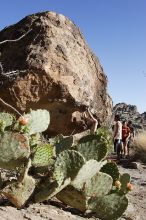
{"x":130,"y":112}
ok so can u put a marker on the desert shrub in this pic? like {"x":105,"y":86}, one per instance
{"x":139,"y":146}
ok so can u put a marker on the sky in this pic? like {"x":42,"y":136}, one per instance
{"x":114,"y":29}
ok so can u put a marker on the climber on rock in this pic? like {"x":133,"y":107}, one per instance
{"x":91,"y":120}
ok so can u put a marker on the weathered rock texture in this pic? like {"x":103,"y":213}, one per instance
{"x":130,"y":112}
{"x":55,"y":70}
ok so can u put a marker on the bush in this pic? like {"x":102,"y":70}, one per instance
{"x":139,"y":146}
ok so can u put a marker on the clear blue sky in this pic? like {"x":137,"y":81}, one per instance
{"x":114,"y":29}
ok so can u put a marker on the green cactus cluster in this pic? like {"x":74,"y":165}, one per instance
{"x":77,"y":174}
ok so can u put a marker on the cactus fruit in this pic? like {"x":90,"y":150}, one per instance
{"x":6,"y":120}
{"x":64,"y":144}
{"x":23,"y":121}
{"x":43,"y":155}
{"x":124,"y":179}
{"x":109,"y":207}
{"x":117,"y":184}
{"x":129,"y":186}
{"x":111,"y":169}
{"x":38,"y":120}
{"x":14,"y":150}
{"x":67,"y":165}
{"x":18,"y":193}
{"x":92,"y":147}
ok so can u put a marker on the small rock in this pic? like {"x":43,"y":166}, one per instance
{"x":143,"y":184}
{"x":134,"y":165}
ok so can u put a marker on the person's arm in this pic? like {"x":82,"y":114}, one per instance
{"x":94,"y":121}
{"x":115,"y":130}
{"x":90,"y":114}
{"x":129,"y":134}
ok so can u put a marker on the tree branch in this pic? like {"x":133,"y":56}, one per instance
{"x":10,"y":106}
{"x":5,"y":41}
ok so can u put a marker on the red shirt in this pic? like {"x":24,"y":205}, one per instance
{"x":125,"y":132}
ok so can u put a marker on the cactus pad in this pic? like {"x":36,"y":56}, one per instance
{"x":43,"y":155}
{"x":14,"y":150}
{"x":124,"y":179}
{"x":99,"y":185}
{"x":92,"y":147}
{"x":38,"y":121}
{"x":6,"y":120}
{"x":111,"y":169}
{"x":64,"y":144}
{"x":18,"y":193}
{"x":73,"y":198}
{"x":88,"y":170}
{"x":109,"y":207}
{"x":67,"y":165}
{"x":48,"y":190}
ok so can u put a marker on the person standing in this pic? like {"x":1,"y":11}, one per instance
{"x":125,"y":138}
{"x":117,"y":136}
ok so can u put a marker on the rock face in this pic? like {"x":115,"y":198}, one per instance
{"x":130,"y":112}
{"x":50,"y":66}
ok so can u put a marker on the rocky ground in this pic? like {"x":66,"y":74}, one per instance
{"x":55,"y":211}
{"x":137,"y":198}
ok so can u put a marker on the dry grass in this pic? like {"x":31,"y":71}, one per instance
{"x":139,"y":145}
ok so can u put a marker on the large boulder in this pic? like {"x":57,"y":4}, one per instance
{"x":49,"y":65}
{"x":130,"y":113}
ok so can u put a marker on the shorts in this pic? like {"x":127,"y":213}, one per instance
{"x":124,"y":140}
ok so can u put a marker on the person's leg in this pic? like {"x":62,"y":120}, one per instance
{"x":118,"y":148}
{"x":128,"y":146}
{"x":126,"y":149}
{"x":115,"y":149}
{"x":122,"y":149}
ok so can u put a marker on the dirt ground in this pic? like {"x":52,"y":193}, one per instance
{"x":136,"y":209}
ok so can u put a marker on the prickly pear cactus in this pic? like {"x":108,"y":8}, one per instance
{"x":38,"y":121}
{"x":67,"y":165}
{"x":74,"y":178}
{"x":111,"y":169}
{"x":92,"y":147}
{"x":97,"y":186}
{"x":6,"y":120}
{"x":109,"y":207}
{"x":14,"y":150}
{"x":64,"y":144}
{"x":18,"y":193}
{"x":43,"y":155}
